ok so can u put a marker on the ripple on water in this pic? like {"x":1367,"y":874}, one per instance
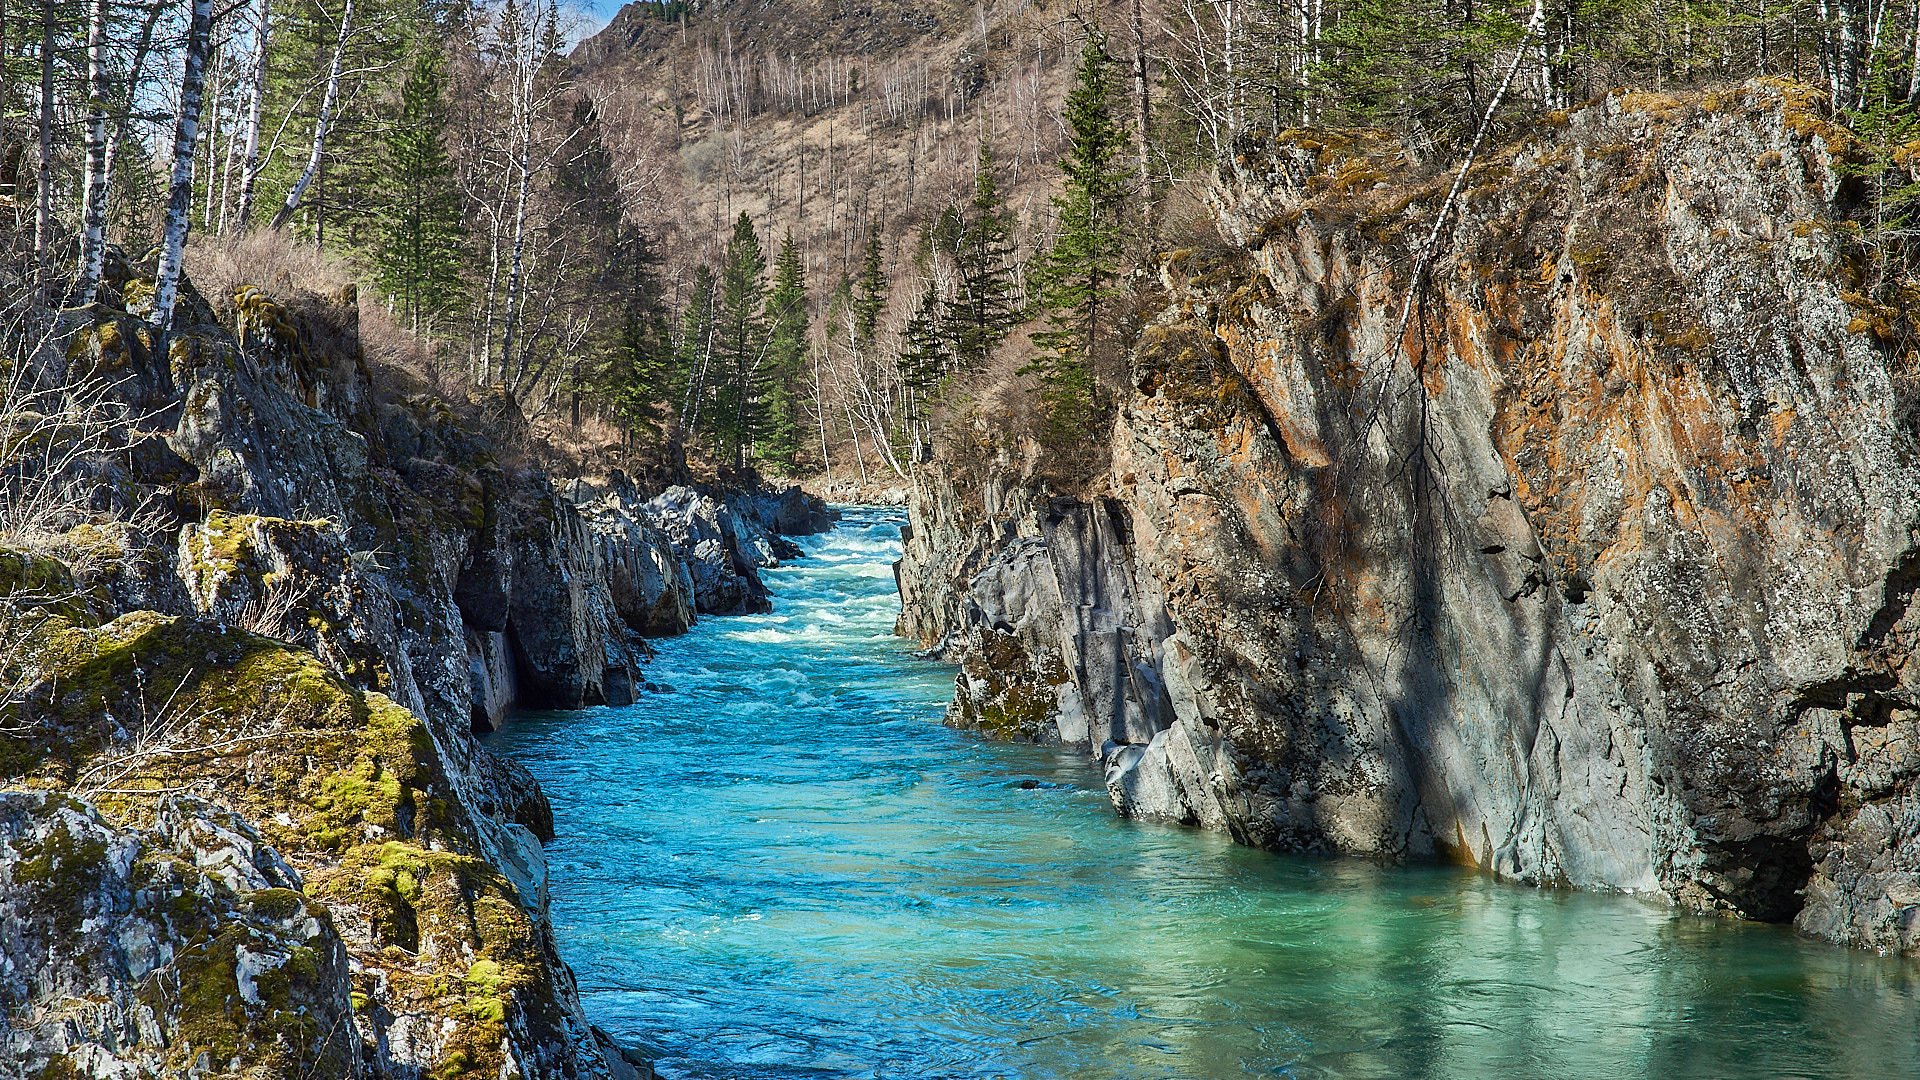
{"x":783,"y":865}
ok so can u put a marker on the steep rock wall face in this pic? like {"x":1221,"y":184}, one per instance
{"x":254,"y":724}
{"x":1600,"y":578}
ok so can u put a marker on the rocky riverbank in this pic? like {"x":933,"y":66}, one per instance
{"x":247,"y":829}
{"x":1598,"y":575}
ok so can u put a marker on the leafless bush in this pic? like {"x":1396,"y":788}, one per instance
{"x":24,"y":613}
{"x":57,"y":431}
{"x":157,"y":733}
{"x":273,"y":613}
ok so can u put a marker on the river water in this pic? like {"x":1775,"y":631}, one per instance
{"x":783,"y":865}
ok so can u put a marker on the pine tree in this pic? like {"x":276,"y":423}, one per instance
{"x":422,"y":243}
{"x":740,"y":342}
{"x":1078,"y":276}
{"x":788,"y":331}
{"x":638,"y":376}
{"x":1885,"y":127}
{"x":869,"y":293}
{"x":925,"y":361}
{"x":986,"y":301}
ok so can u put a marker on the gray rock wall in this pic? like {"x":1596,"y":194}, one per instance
{"x":1599,"y":577}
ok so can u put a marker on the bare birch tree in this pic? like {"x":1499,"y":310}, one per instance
{"x":256,"y":106}
{"x":93,"y":201}
{"x":328,"y":98}
{"x":186,"y":133}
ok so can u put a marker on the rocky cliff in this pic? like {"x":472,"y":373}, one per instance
{"x":247,"y":828}
{"x":1598,"y":575}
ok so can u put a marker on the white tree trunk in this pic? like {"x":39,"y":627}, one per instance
{"x":1142,"y":104}
{"x":321,"y":123}
{"x":1913,"y":65}
{"x":526,"y":70}
{"x":186,"y":133}
{"x":217,"y":79}
{"x":93,"y":199}
{"x":256,"y":104}
{"x":43,"y":206}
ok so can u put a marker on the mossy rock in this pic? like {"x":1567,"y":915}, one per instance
{"x":255,"y":984}
{"x":26,"y":574}
{"x":428,"y":910}
{"x":260,"y":319}
{"x":344,"y":783}
{"x":263,"y":726}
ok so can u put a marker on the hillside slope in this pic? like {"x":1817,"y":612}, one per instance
{"x":828,"y":119}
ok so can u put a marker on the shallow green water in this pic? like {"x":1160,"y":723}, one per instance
{"x":783,"y":865}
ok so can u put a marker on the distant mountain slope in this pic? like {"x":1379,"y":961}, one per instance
{"x":828,"y":118}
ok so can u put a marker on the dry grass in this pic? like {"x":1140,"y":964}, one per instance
{"x":269,"y":259}
{"x":402,"y":361}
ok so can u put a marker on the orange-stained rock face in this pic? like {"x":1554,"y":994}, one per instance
{"x":1597,"y":574}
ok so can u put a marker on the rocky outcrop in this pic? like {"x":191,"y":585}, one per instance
{"x":725,"y":549}
{"x":1597,"y":576}
{"x":254,"y":833}
{"x":158,"y":952}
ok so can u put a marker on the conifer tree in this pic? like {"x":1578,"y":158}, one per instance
{"x":1075,"y":280}
{"x":869,"y":293}
{"x":925,"y":361}
{"x":788,"y":332}
{"x":638,"y":375}
{"x":422,"y":247}
{"x":740,"y":342}
{"x":986,"y":301}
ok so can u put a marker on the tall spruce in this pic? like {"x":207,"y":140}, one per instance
{"x":740,"y":343}
{"x":788,"y":340}
{"x":986,"y":302}
{"x":637,"y":376}
{"x":925,"y":361}
{"x":869,"y":292}
{"x":693,"y":351}
{"x":422,"y":242}
{"x":1076,"y":281}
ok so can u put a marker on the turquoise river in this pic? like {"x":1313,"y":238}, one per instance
{"x":783,"y":864}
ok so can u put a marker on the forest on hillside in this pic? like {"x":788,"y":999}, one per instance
{"x":464,"y":163}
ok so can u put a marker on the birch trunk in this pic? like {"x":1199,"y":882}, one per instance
{"x":256,"y":104}
{"x":93,"y":199}
{"x":43,"y":206}
{"x":1142,"y":105}
{"x":186,"y":133}
{"x":1913,"y":64}
{"x":321,"y":123}
{"x":523,"y":107}
{"x":1846,"y":56}
{"x":217,"y":79}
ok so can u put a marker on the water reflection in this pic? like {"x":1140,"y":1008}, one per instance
{"x":785,"y":867}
